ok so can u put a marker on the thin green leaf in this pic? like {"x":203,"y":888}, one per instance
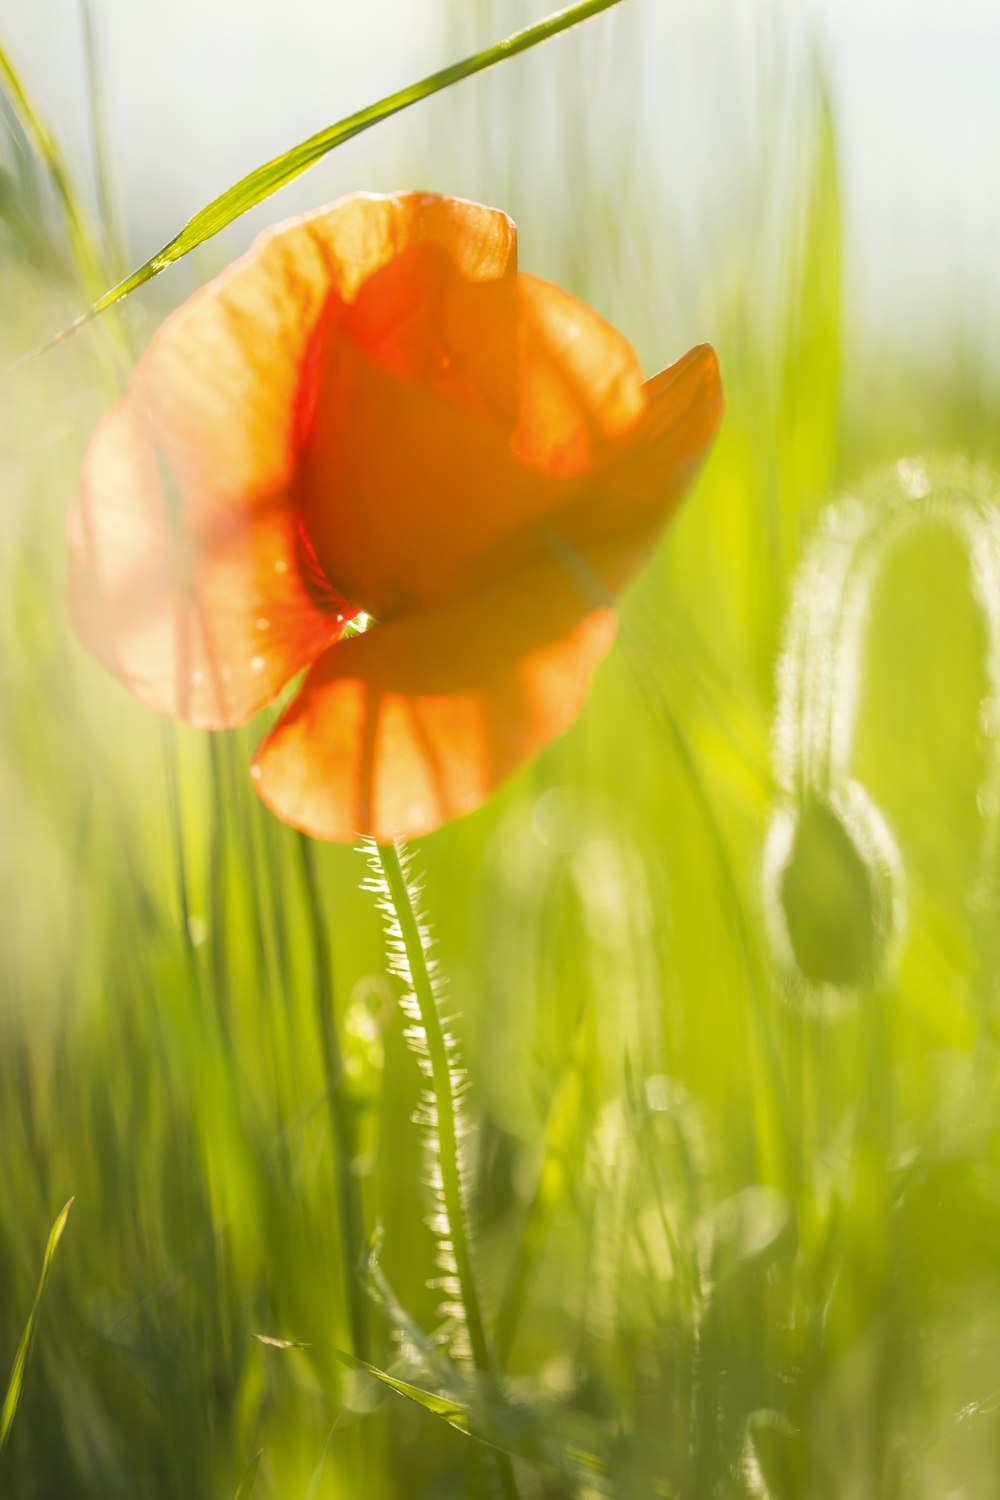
{"x":265,"y":1338}
{"x":14,"y":1386}
{"x":513,"y":1431}
{"x":249,"y":1478}
{"x":405,"y":1329}
{"x":43,"y":143}
{"x":107,"y":198}
{"x":562,"y":1142}
{"x":452,"y":1412}
{"x":267,"y":179}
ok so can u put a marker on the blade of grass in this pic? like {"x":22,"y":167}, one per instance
{"x":510,"y":1431}
{"x":107,"y":199}
{"x":16,"y":1383}
{"x":267,"y":179}
{"x":88,"y":264}
{"x":638,"y":655}
{"x":562,"y":1127}
{"x":43,"y":143}
{"x":452,"y":1412}
{"x":249,"y":1478}
{"x":349,"y":1197}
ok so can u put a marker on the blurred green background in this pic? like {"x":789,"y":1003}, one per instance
{"x":738,"y":1229}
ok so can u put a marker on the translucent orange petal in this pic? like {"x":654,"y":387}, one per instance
{"x":188,"y":577}
{"x":445,"y":417}
{"x":418,"y":721}
{"x":400,"y":729}
{"x":618,"y":519}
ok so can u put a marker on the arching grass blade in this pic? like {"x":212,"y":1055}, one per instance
{"x":249,"y":1478}
{"x":86,"y":255}
{"x":267,"y":179}
{"x":12,"y":1399}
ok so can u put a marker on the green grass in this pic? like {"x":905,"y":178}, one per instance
{"x":733,"y":1235}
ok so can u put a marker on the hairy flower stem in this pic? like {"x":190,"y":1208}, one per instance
{"x":349,"y":1204}
{"x":444,"y":1099}
{"x":446,"y":1111}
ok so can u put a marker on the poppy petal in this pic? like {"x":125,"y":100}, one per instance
{"x":202,"y":619}
{"x":189,"y":576}
{"x":415,"y":722}
{"x":618,"y":520}
{"x":444,"y":417}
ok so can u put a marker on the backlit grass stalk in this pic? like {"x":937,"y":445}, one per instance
{"x":84,"y":247}
{"x":15,"y":1384}
{"x":349,"y":1201}
{"x":85,"y":251}
{"x":182,"y":891}
{"x":114,"y":234}
{"x":638,"y":655}
{"x":564,"y":1106}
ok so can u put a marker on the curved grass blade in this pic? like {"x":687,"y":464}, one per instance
{"x":87,"y":260}
{"x":562,"y":1129}
{"x":267,"y":179}
{"x":509,"y":1430}
{"x":249,"y":1478}
{"x":452,"y":1412}
{"x":349,"y":1197}
{"x":86,"y":255}
{"x":14,"y":1386}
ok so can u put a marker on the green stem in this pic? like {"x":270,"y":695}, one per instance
{"x":535,"y":1224}
{"x":87,"y":259}
{"x":216,"y":886}
{"x":168,"y":746}
{"x":447,"y":1121}
{"x":349,"y":1203}
{"x":86,"y":253}
{"x":647,"y":686}
{"x":114,"y":238}
{"x":444,"y":1100}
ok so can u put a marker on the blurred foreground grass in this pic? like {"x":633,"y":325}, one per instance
{"x":736,"y":1240}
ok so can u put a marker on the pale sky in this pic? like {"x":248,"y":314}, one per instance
{"x":199,"y":91}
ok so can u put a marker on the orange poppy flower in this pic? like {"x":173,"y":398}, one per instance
{"x":373,"y":412}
